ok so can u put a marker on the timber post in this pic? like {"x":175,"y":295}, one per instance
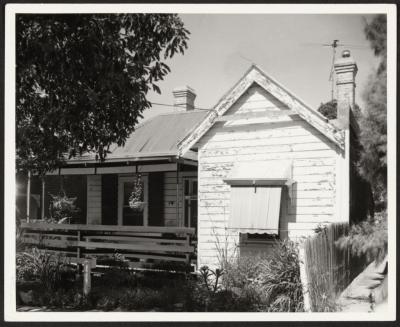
{"x":28,"y":197}
{"x":42,"y":204}
{"x":87,"y":281}
{"x":304,"y":277}
{"x":78,"y":254}
{"x":177,"y":193}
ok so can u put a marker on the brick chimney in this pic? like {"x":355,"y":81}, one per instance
{"x":346,"y":70}
{"x":184,"y":98}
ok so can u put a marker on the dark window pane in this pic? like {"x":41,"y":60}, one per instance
{"x":264,"y":236}
{"x":194,"y":192}
{"x":132,"y":217}
{"x":193,"y":213}
{"x":186,"y":214}
{"x":186,"y":187}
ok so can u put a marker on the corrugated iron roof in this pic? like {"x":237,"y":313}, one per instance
{"x":158,"y":136}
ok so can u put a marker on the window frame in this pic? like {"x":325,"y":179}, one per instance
{"x":285,"y":188}
{"x":190,"y":198}
{"x":121,"y":181}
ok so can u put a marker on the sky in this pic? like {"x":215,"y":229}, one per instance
{"x":223,"y":46}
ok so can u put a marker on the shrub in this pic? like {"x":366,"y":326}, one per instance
{"x":62,"y":208}
{"x":368,"y":238}
{"x":70,"y":299}
{"x":26,"y":270}
{"x":267,"y":283}
{"x":52,"y":271}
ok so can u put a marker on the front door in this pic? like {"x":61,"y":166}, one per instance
{"x":126,"y":215}
{"x":190,"y":202}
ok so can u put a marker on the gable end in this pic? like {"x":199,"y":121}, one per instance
{"x":257,"y":76}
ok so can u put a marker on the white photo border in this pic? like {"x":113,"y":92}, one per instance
{"x":10,"y":313}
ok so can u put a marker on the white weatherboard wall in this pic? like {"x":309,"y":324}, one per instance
{"x":313,"y":196}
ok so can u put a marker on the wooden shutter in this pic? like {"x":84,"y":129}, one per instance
{"x":156,"y":199}
{"x":109,"y":199}
{"x":255,"y":209}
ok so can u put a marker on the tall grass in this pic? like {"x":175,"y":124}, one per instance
{"x":327,"y":266}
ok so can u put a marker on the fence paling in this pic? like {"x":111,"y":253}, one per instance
{"x":154,"y":243}
{"x":327,"y":267}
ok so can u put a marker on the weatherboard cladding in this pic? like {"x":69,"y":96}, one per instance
{"x":271,"y":140}
{"x":255,"y":76}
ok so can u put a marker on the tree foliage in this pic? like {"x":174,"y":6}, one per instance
{"x":368,"y":238}
{"x":373,"y":125}
{"x":82,"y":80}
{"x":329,"y":109}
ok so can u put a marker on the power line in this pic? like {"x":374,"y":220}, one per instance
{"x":177,"y":105}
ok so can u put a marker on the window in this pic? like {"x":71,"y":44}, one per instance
{"x":190,"y":202}
{"x":255,"y":209}
{"x":258,"y":238}
{"x":256,"y":196}
{"x":126,"y":215}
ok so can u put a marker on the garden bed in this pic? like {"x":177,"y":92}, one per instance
{"x":243,"y":285}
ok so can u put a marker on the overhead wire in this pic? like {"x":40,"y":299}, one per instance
{"x":176,"y":105}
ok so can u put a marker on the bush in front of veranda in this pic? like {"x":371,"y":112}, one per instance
{"x":51,"y":271}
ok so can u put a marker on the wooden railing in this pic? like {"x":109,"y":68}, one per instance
{"x":139,"y":246}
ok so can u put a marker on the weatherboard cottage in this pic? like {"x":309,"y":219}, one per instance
{"x":260,"y":165}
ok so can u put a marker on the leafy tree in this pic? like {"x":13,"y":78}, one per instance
{"x":369,"y":238}
{"x":373,"y":135}
{"x":82,"y":81}
{"x":329,"y":110}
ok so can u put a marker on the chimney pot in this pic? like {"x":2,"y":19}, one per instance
{"x":184,"y":98}
{"x":346,"y":53}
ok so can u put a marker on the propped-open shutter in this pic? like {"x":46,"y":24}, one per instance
{"x":156,"y":199}
{"x":255,"y":209}
{"x":109,"y":199}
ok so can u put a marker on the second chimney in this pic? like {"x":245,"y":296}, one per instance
{"x":184,"y":98}
{"x":346,"y":70}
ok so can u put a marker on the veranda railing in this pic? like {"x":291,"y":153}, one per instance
{"x":139,"y":246}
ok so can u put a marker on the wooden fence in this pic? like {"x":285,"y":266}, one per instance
{"x":327,"y":267}
{"x":139,"y":246}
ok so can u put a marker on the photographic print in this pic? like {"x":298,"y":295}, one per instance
{"x":200,"y":162}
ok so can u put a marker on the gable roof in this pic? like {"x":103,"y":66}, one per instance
{"x":256,"y":75}
{"x":157,"y":137}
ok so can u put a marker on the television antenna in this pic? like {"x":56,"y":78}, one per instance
{"x":334,"y":45}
